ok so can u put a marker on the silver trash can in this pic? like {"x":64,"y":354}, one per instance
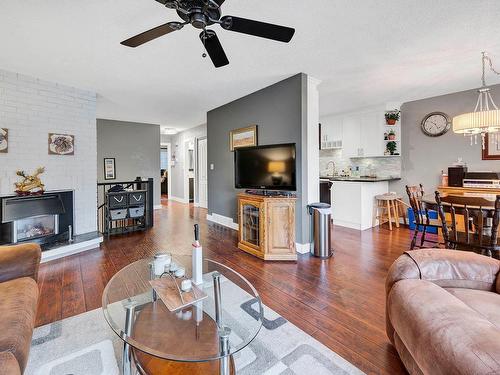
{"x":321,"y":240}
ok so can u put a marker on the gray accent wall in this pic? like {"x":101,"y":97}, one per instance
{"x":424,"y":157}
{"x":136,"y":148}
{"x":278,"y":112}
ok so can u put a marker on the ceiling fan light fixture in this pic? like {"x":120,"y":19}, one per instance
{"x":203,"y":13}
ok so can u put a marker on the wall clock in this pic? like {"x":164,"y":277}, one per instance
{"x":436,"y":124}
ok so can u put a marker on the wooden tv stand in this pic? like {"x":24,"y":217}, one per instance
{"x":267,"y":226}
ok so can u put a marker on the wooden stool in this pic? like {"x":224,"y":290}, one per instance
{"x":387,"y":209}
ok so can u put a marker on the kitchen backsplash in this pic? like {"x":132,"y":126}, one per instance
{"x":383,"y":167}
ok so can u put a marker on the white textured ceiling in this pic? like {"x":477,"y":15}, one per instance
{"x":365,"y":52}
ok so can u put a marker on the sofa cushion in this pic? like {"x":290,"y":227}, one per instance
{"x":8,"y":364}
{"x":18,"y":312}
{"x":487,"y":304}
{"x":442,"y":333}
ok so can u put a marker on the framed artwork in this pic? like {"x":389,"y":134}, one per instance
{"x":492,"y":147}
{"x":109,"y":169}
{"x":61,"y":144}
{"x":4,"y":140}
{"x":244,"y":137}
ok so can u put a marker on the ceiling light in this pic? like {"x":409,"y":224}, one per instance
{"x":169,"y":131}
{"x":486,"y":116}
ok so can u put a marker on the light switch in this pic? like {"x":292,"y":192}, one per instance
{"x":212,"y":167}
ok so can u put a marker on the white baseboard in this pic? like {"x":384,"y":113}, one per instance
{"x":177,"y":199}
{"x":347,"y":224}
{"x":157,"y":207}
{"x":302,"y":248}
{"x":223,"y":220}
{"x":71,"y":249}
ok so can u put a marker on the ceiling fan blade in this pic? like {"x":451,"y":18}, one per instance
{"x":256,"y":28}
{"x":214,"y":48}
{"x":149,"y":35}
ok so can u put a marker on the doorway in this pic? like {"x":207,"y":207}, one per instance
{"x":165,"y":175}
{"x":202,"y":175}
{"x":189,"y":172}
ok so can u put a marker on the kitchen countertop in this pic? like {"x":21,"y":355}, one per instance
{"x":362,"y":179}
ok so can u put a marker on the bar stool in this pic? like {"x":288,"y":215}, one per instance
{"x":387,"y":209}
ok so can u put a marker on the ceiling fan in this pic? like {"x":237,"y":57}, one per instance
{"x":203,"y":13}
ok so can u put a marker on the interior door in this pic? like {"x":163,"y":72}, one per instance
{"x":202,"y":173}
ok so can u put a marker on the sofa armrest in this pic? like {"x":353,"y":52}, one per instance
{"x":446,"y":268}
{"x":19,"y":261}
{"x":9,"y":364}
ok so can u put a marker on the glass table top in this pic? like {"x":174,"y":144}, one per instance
{"x":190,"y":334}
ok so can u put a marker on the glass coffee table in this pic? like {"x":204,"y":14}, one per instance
{"x":198,"y":339}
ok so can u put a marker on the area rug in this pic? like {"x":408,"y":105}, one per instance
{"x":85,"y":345}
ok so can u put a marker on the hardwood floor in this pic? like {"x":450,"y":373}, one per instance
{"x":340,"y":301}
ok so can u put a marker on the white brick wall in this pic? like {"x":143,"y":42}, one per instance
{"x":31,"y":108}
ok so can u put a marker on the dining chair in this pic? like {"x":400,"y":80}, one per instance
{"x":479,"y":232}
{"x":422,"y":220}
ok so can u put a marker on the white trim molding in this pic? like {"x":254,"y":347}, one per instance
{"x":223,"y":220}
{"x":177,"y":199}
{"x":303,"y":248}
{"x":71,"y":249}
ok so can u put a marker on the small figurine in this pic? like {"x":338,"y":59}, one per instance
{"x":30,"y":185}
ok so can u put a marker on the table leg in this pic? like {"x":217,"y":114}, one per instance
{"x":152,"y":277}
{"x":224,"y":362}
{"x":224,"y":332}
{"x":127,"y":353}
{"x":217,"y":298}
{"x":388,"y":203}
{"x":395,"y":205}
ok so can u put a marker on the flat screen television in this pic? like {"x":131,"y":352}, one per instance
{"x":266,"y":167}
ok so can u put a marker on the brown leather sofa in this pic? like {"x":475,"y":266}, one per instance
{"x":443,"y":312}
{"x":18,"y":302}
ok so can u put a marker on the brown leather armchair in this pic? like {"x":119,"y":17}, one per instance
{"x":19,"y":298}
{"x":443,"y":312}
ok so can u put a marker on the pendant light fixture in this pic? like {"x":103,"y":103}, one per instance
{"x":486,"y":116}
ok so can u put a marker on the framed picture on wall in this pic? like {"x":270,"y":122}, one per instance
{"x":61,"y":144}
{"x":244,"y":137}
{"x":492,"y":147}
{"x":109,"y":169}
{"x":4,"y":140}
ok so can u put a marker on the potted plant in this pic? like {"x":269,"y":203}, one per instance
{"x":391,"y":135}
{"x":391,"y":117}
{"x":391,"y":147}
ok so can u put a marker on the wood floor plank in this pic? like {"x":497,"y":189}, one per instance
{"x":73,"y":299}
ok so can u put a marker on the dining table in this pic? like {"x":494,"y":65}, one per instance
{"x":486,"y":200}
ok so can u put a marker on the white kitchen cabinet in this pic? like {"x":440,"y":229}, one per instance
{"x":331,"y":133}
{"x":360,"y":133}
{"x":351,"y":135}
{"x":353,"y":202}
{"x":372,"y":134}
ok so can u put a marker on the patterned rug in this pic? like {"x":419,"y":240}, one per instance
{"x":85,"y":345}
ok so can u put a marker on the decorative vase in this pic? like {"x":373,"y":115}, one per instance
{"x":391,"y":121}
{"x":392,"y":137}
